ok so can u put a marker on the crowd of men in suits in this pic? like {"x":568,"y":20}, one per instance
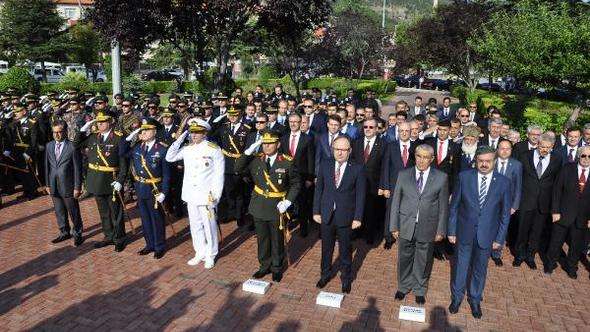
{"x":440,"y":181}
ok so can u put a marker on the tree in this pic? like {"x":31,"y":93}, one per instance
{"x":287,"y":34}
{"x":84,"y":46}
{"x":440,"y":40}
{"x":31,"y":30}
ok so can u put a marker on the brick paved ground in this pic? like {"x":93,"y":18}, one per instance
{"x":60,"y":287}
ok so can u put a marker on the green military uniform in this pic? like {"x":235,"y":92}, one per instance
{"x":106,"y":164}
{"x":24,"y":134}
{"x":271,"y":186}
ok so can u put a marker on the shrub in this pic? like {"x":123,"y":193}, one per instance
{"x":74,"y":80}
{"x":266,"y":73}
{"x":133,"y":83}
{"x":20,"y":79}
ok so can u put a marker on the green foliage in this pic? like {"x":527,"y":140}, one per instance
{"x":30,"y":30}
{"x":84,"y":44}
{"x":538,"y":43}
{"x":266,"y":73}
{"x":133,"y":83}
{"x":165,"y":55}
{"x":20,"y":79}
{"x":74,"y":80}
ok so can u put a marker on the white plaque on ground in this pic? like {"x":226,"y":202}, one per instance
{"x":329,"y":299}
{"x":415,"y":314}
{"x":255,"y":286}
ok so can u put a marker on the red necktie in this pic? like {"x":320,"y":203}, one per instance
{"x":440,"y":153}
{"x":366,"y":152}
{"x":292,"y":145}
{"x":405,"y":155}
{"x":582,"y":181}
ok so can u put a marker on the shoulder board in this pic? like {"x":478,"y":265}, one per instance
{"x":213,"y":145}
{"x":32,"y":121}
{"x":95,"y":131}
{"x":261,"y":155}
{"x":163,"y":144}
{"x":287,"y":157}
{"x":118,"y":133}
{"x":247,"y":126}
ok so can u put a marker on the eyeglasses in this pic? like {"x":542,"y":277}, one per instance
{"x":464,"y":116}
{"x":369,"y":127}
{"x":584,"y":156}
{"x":307,"y":106}
{"x":126,"y":105}
{"x":260,"y":122}
{"x":58,"y":132}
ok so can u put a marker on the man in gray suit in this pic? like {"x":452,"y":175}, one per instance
{"x":419,"y":214}
{"x":63,"y":178}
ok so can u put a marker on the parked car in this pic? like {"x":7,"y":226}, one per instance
{"x":100,"y":75}
{"x":160,"y":75}
{"x":3,"y":66}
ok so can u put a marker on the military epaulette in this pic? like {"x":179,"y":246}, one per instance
{"x":213,"y":145}
{"x":118,"y":133}
{"x":32,"y":120}
{"x":287,"y":157}
{"x":247,"y":126}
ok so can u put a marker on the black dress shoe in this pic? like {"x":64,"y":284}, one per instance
{"x":61,"y":238}
{"x":517,"y":262}
{"x":399,"y":295}
{"x":572,"y":274}
{"x":475,"y":310}
{"x":144,"y":251}
{"x":530,"y":262}
{"x":454,"y":307}
{"x":159,"y":254}
{"x":346,"y":288}
{"x":548,"y":268}
{"x":303,"y":233}
{"x":277,"y":276}
{"x":420,"y":299}
{"x":260,"y":274}
{"x":438,"y":255}
{"x":498,"y":261}
{"x":119,"y":247}
{"x":78,"y":240}
{"x":322,"y":283}
{"x":103,"y":243}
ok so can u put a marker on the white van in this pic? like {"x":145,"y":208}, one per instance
{"x":53,"y":75}
{"x":3,"y":66}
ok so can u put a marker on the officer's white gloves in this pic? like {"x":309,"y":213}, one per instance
{"x":8,"y":115}
{"x":46,"y":108}
{"x":283,"y":205}
{"x":181,"y":138}
{"x":219,"y":118}
{"x":87,"y":126}
{"x":90,"y":101}
{"x":249,"y":151}
{"x":6,"y":153}
{"x":160,"y":198}
{"x":27,"y":157}
{"x":133,"y":134}
{"x":116,"y":186}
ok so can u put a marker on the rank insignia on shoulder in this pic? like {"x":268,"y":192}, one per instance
{"x":287,"y":157}
{"x":247,"y":126}
{"x":118,"y":133}
{"x":213,"y":145}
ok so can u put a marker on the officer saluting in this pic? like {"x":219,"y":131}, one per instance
{"x":107,"y":167}
{"x":276,"y":186}
{"x":24,"y":133}
{"x":201,"y":187}
{"x":152,"y":178}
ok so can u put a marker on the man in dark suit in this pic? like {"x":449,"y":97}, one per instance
{"x":299,"y":146}
{"x":63,"y":176}
{"x":273,"y":124}
{"x":492,"y":138}
{"x":317,"y":119}
{"x":533,"y":134}
{"x":570,"y":213}
{"x":323,"y":143}
{"x":540,"y":168}
{"x":568,"y":151}
{"x":369,"y":151}
{"x":445,"y":112}
{"x":512,"y":169}
{"x":446,"y":152}
{"x":399,"y":155}
{"x":338,"y":206}
{"x":478,"y":221}
{"x":473,"y":115}
{"x":418,"y":108}
{"x":419,"y":214}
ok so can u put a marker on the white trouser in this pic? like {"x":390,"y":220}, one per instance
{"x":203,"y":231}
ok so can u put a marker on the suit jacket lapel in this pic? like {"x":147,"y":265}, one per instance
{"x":429,"y":180}
{"x":491,"y":188}
{"x":52,"y":155}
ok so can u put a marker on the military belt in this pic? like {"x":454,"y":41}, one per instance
{"x":22,"y":145}
{"x":231,"y":155}
{"x":101,"y":168}
{"x":146,"y":180}
{"x":269,"y":194}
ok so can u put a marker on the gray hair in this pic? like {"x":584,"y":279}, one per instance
{"x":587,"y":126}
{"x":547,"y":137}
{"x":582,"y":149}
{"x":533,"y":127}
{"x":426,"y":148}
{"x":494,"y":121}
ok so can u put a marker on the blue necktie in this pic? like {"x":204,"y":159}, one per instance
{"x":482,"y":191}
{"x":419,"y":182}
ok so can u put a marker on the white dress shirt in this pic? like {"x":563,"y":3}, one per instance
{"x":371,"y":141}
{"x":342,"y":169}
{"x":424,"y":178}
{"x":545,"y":162}
{"x":499,"y":165}
{"x":105,"y":135}
{"x":272,"y":159}
{"x":296,"y":142}
{"x":488,"y":181}
{"x":586,"y":169}
{"x":445,"y":148}
{"x":570,"y":148}
{"x":493,"y":142}
{"x":148,"y":145}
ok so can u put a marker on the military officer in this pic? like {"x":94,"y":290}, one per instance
{"x":128,"y":120}
{"x":231,"y":137}
{"x":24,"y":133}
{"x":151,"y":173}
{"x":107,"y":169}
{"x":201,"y":188}
{"x":276,"y":186}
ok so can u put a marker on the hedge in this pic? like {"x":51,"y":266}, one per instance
{"x":521,"y":110}
{"x":339,"y":85}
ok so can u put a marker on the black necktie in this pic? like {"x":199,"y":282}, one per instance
{"x":268,"y":163}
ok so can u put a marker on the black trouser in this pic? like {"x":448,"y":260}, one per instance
{"x":530,"y":229}
{"x":576,"y":245}
{"x":372,"y":226}
{"x":63,"y":207}
{"x":329,"y":233}
{"x":305,"y":202}
{"x":231,"y":204}
{"x":271,"y":245}
{"x":175,"y":202}
{"x":111,"y":217}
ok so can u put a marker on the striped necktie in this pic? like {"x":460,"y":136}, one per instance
{"x":482,"y":191}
